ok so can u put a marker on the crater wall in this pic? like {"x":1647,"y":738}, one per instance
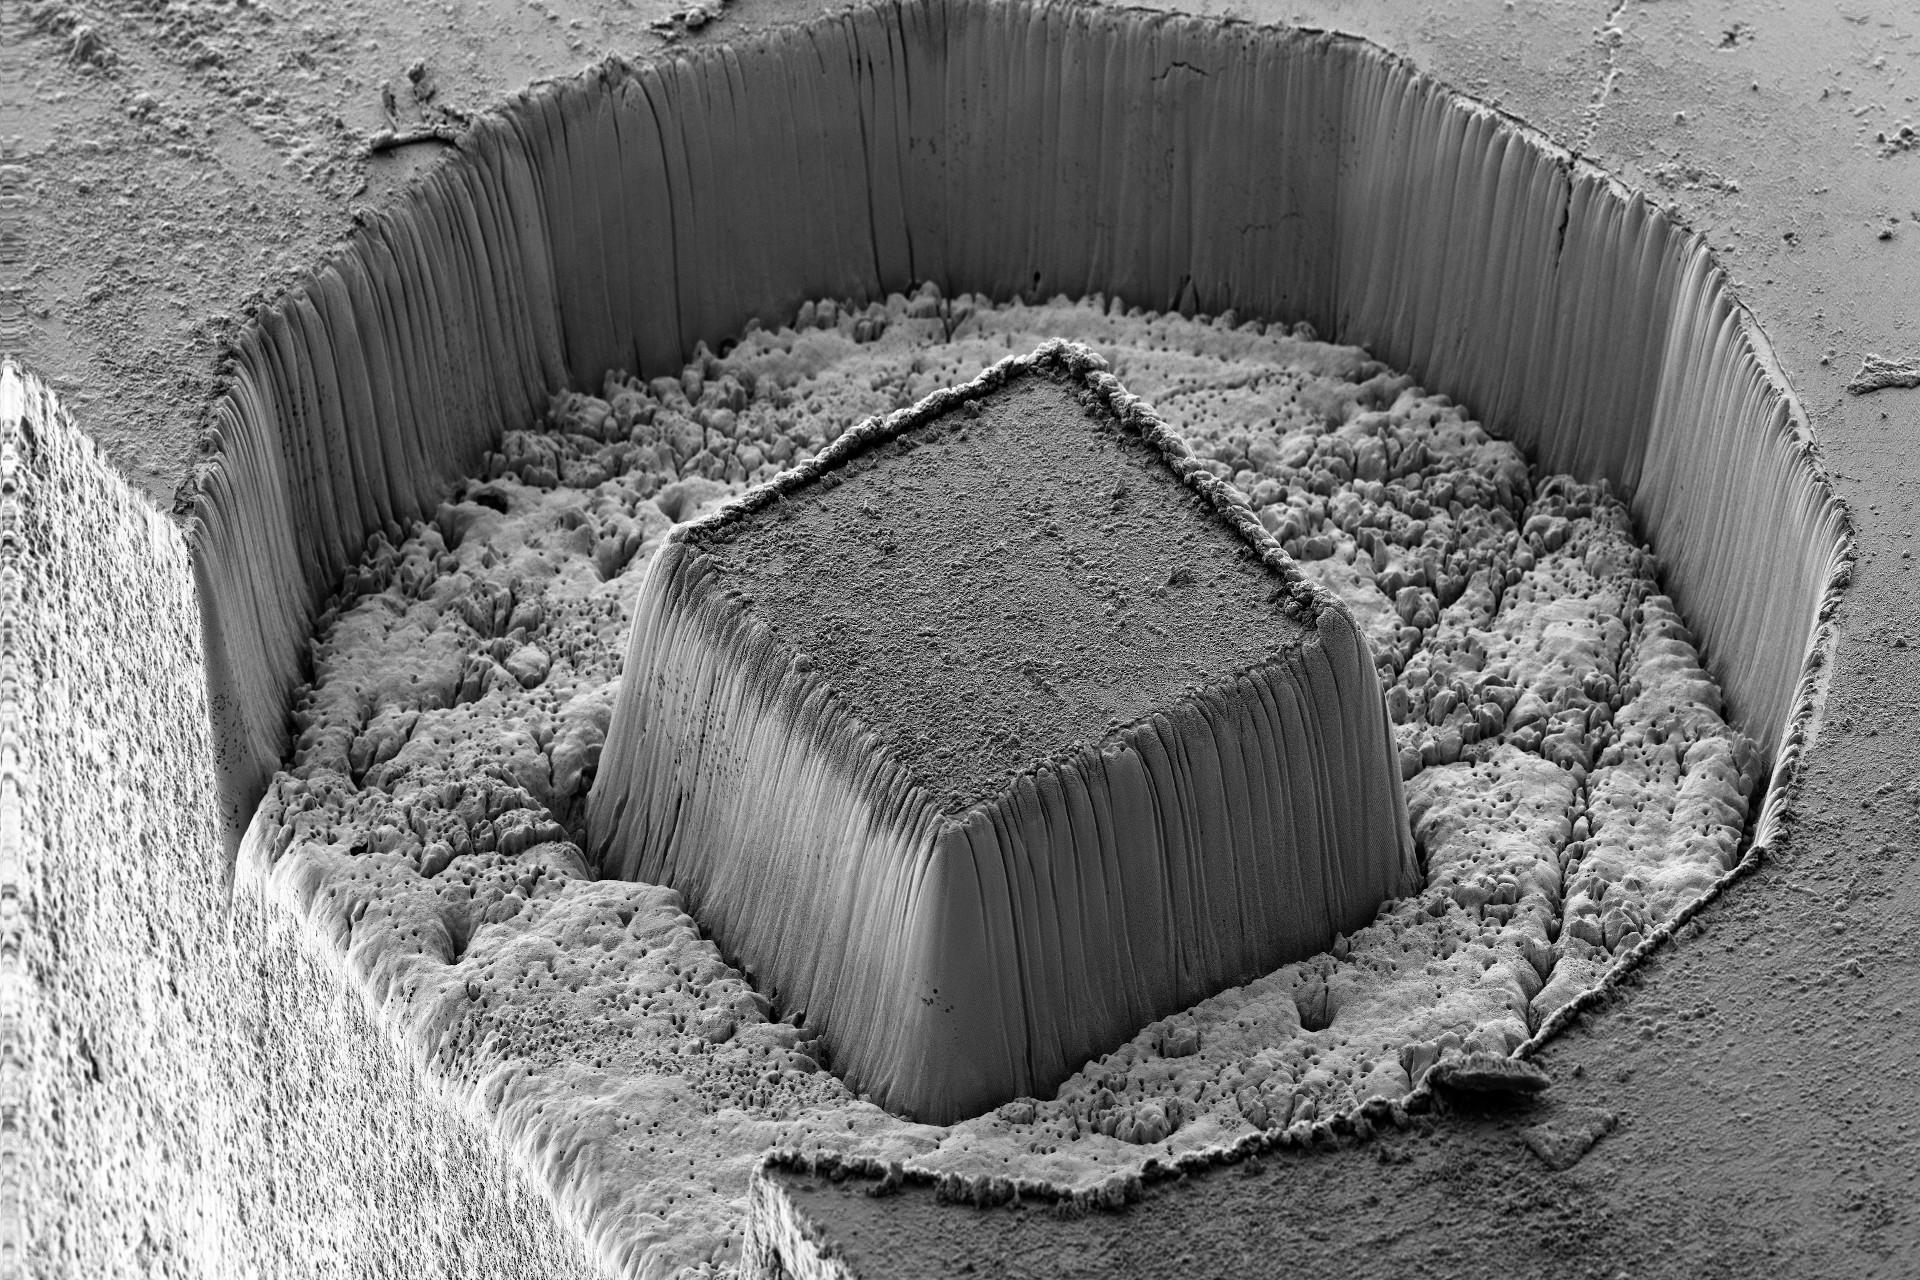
{"x":615,"y":219}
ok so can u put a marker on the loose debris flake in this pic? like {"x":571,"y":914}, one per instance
{"x":1562,"y":1141}
{"x":1488,"y":1076}
{"x":1878,"y":374}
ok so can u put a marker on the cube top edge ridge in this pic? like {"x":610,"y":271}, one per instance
{"x":1009,"y":637}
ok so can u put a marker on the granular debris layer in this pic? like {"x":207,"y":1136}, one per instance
{"x":996,"y":733}
{"x":1569,"y":777}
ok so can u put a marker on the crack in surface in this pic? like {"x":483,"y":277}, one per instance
{"x":1609,"y":37}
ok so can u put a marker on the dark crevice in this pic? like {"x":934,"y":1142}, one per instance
{"x":1560,"y":230}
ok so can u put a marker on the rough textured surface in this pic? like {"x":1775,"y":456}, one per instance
{"x":1005,"y":586}
{"x":193,"y":1089}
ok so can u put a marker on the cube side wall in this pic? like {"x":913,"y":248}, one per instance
{"x":781,"y":1242}
{"x":1209,"y":845}
{"x":745,"y":785}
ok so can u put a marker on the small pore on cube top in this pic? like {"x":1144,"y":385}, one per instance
{"x":995,"y":732}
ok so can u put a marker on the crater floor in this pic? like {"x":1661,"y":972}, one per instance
{"x":1570,"y":778}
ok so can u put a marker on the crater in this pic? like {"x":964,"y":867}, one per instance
{"x":1013,"y":151}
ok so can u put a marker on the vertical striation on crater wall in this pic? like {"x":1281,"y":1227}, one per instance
{"x":615,"y":219}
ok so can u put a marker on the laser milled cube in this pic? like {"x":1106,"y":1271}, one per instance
{"x":996,"y":731}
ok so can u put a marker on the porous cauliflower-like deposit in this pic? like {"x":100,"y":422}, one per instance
{"x":1570,"y":779}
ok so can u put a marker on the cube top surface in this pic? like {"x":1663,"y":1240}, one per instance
{"x":1015,"y":574}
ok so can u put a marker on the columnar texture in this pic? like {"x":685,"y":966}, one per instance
{"x":995,"y":732}
{"x":614,"y":220}
{"x":190,"y":1088}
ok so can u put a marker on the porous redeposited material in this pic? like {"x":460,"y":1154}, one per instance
{"x":980,"y":821}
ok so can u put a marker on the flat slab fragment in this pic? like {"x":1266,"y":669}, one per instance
{"x":995,"y":732}
{"x":1009,"y":583}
